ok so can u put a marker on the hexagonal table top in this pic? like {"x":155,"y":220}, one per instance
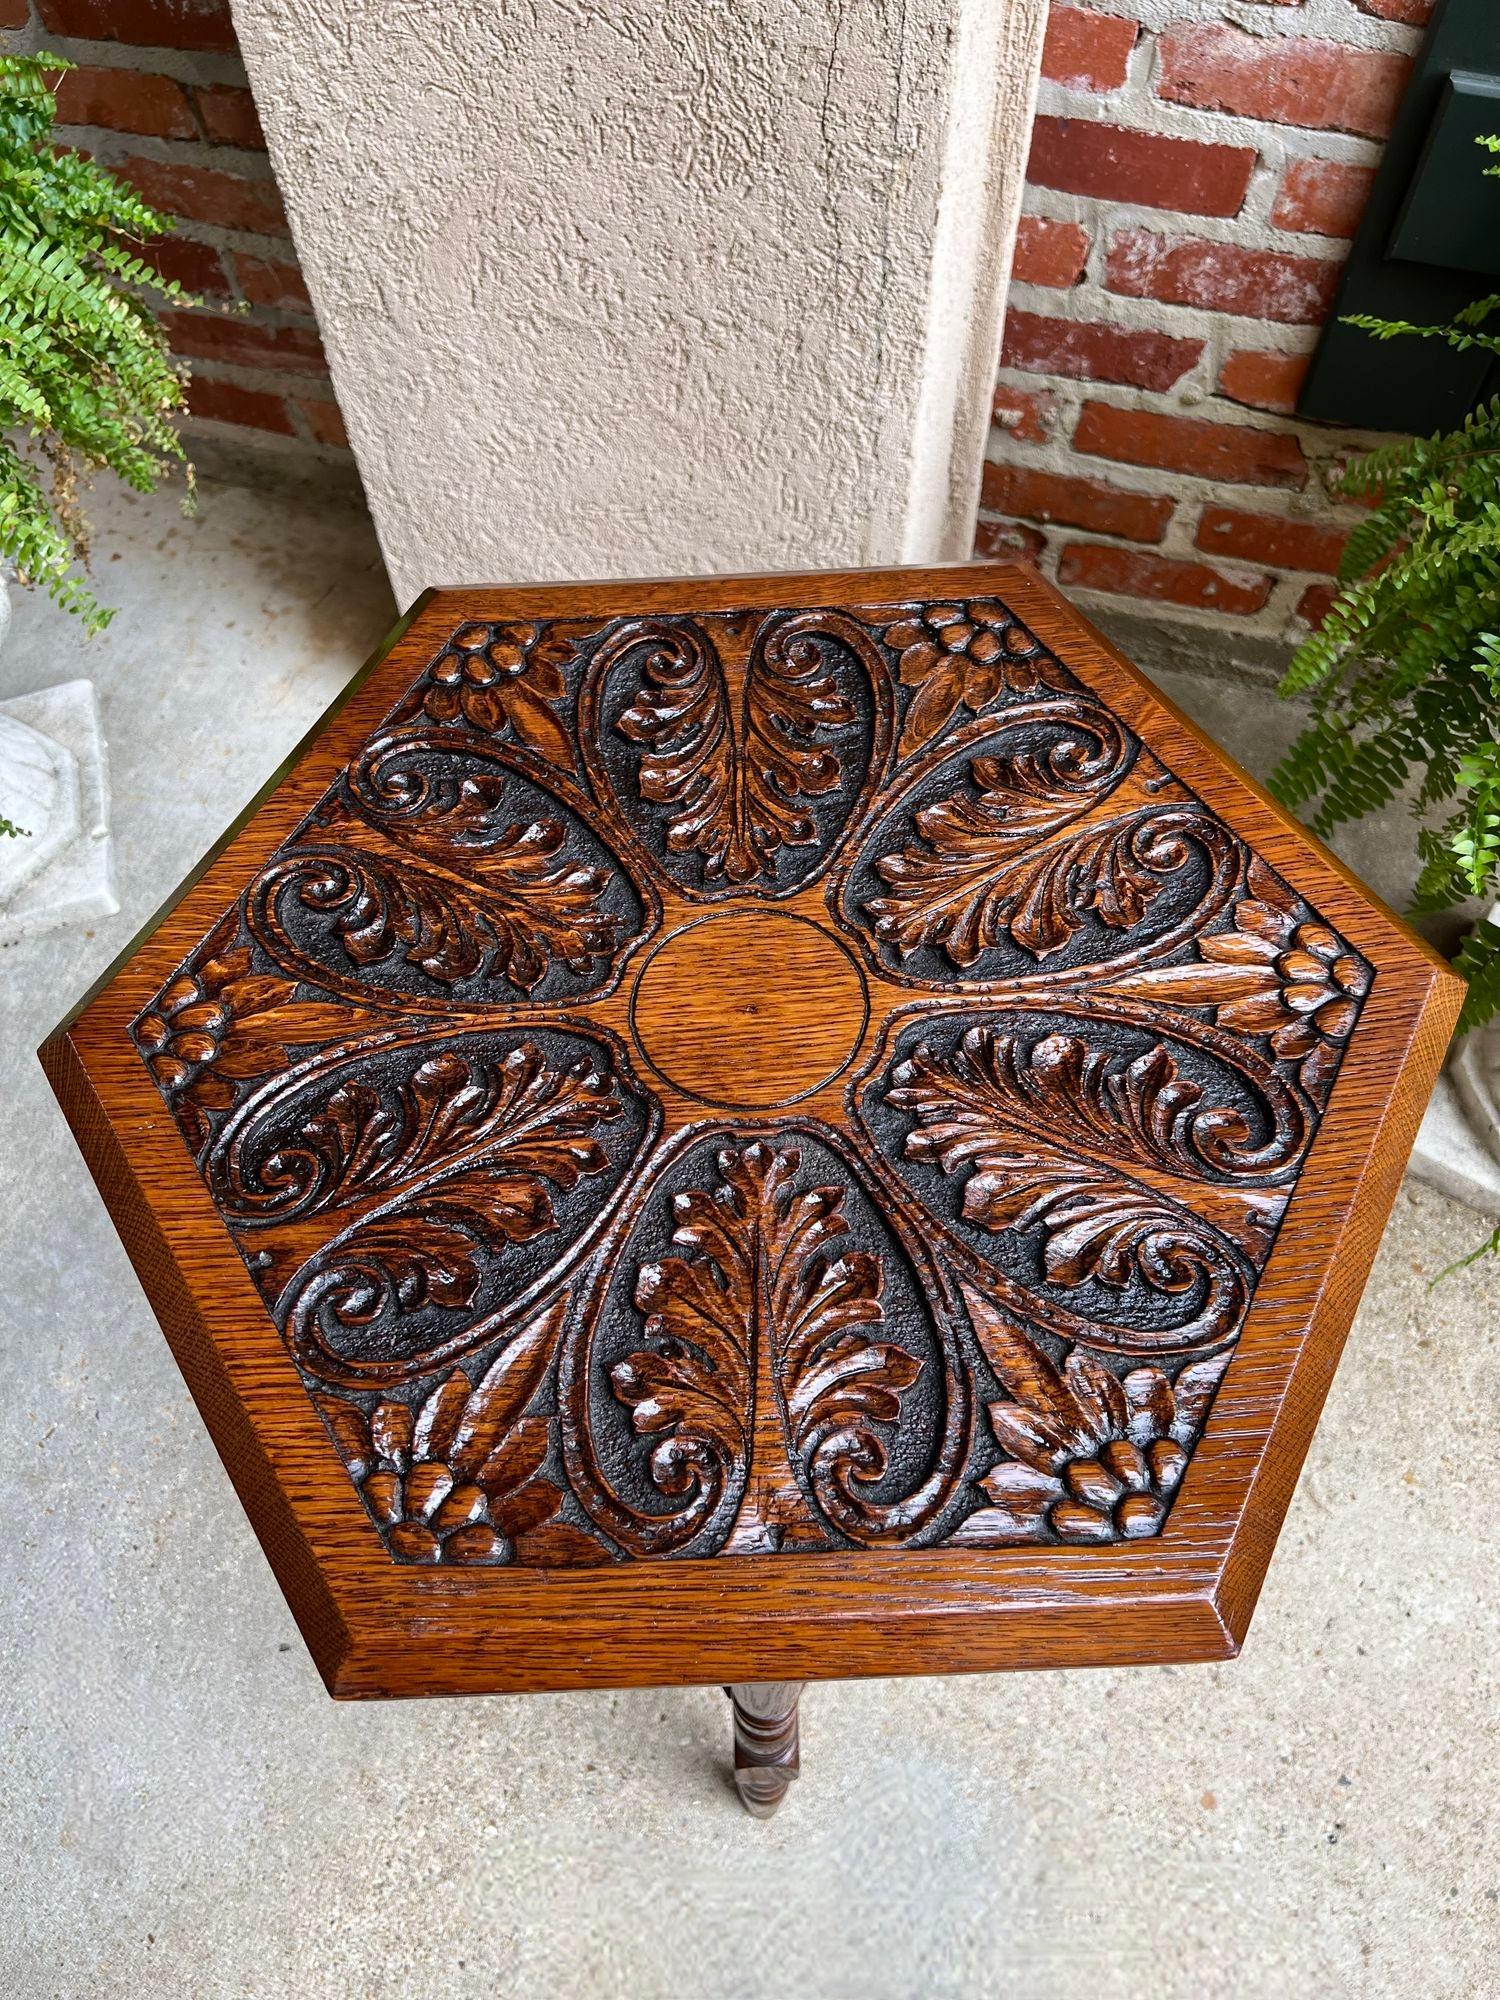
{"x":758,"y":1128}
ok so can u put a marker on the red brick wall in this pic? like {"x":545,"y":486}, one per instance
{"x":1197,"y":169}
{"x":160,"y":97}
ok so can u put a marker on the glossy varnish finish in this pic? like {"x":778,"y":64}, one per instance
{"x":770,"y":1127}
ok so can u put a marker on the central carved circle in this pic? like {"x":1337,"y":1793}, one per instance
{"x":749,"y":1009}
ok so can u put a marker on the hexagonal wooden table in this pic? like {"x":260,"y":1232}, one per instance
{"x":754,"y":1130}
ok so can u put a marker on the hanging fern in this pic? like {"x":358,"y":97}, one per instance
{"x":1404,"y":673}
{"x":86,"y":381}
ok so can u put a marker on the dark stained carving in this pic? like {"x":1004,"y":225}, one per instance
{"x":554,"y":1309}
{"x":957,"y":656}
{"x":773,"y":1402}
{"x":1039,"y":837}
{"x":1069,"y":1092}
{"x":1090,"y":1456}
{"x":736,"y":777}
{"x":525,"y":905}
{"x":396,"y":1223}
{"x":459,"y":1477}
{"x":765,"y":1348}
{"x":526,"y":1122}
{"x":754,"y":738}
{"x":1122,"y":1188}
{"x":222,"y":1023}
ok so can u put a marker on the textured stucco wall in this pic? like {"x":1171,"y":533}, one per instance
{"x":644,"y":286}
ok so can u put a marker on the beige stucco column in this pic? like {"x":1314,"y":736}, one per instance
{"x":624,"y":287}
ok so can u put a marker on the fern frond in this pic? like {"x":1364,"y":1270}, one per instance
{"x":1479,"y":962}
{"x":1402,"y":677}
{"x":86,"y":377}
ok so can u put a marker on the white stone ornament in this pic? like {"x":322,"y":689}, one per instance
{"x":1474,"y":1067}
{"x":54,"y":786}
{"x":39,"y":787}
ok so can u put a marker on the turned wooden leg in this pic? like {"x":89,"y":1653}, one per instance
{"x":765,"y":1742}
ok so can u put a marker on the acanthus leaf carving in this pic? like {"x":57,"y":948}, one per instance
{"x":522,"y":906}
{"x":520,"y":1123}
{"x":1096,"y":1226}
{"x":224,"y":1023}
{"x":752,"y":731}
{"x":682,"y":719}
{"x":769,"y":1379}
{"x":1016,"y":859}
{"x":735,"y":765}
{"x":404,"y":1262}
{"x":1143,"y":1112}
{"x":451,"y":1179}
{"x":1006,"y":1118}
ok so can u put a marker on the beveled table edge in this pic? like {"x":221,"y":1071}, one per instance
{"x":376,"y":1627}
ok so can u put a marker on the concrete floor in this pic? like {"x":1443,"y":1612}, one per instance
{"x":185,"y":1813}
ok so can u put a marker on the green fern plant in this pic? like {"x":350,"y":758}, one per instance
{"x":86,"y":380}
{"x":1404,"y":673}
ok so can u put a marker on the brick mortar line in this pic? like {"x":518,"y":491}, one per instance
{"x":300,"y":444}
{"x":1320,"y":441}
{"x":218,"y":236}
{"x":246,"y":163}
{"x":1154,"y":482}
{"x":200,"y":66}
{"x":1165,"y":118}
{"x":1254,"y":232}
{"x":1242,"y":230}
{"x":1179,"y":546}
{"x":1304,"y":506}
{"x":245,"y":375}
{"x":1274,"y":620}
{"x":1287,"y":584}
{"x":1196,"y":323}
{"x":1125,"y":313}
{"x":1336,"y":21}
{"x":1048,"y":204}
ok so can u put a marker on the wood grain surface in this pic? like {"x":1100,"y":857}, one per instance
{"x":758,"y":1129}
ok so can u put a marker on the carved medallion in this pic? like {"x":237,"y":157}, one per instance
{"x":757,"y":1082}
{"x":720,"y":1010}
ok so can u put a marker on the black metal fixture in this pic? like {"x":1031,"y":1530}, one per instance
{"x":1428,"y":244}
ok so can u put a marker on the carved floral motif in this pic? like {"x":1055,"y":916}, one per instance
{"x":553,"y":1315}
{"x":431,"y":1192}
{"x":458,"y":1478}
{"x":1275,"y":974}
{"x":1090,"y":1456}
{"x":213,"y":1027}
{"x":964,"y":656}
{"x":508,"y":676}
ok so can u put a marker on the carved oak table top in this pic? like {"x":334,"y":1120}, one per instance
{"x":753,"y":1130}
